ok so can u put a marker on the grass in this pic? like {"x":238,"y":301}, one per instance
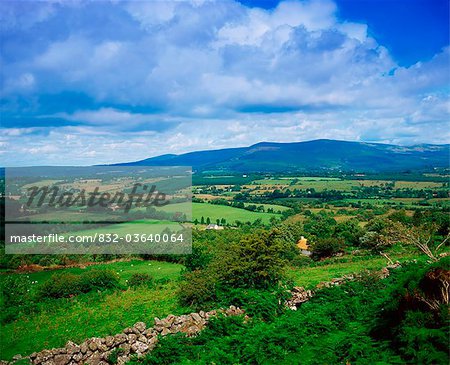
{"x":231,"y":214}
{"x":93,"y":314}
{"x":158,"y":270}
{"x":309,"y":277}
{"x":275,"y":207}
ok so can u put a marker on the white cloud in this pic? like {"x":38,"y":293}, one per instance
{"x":218,"y":74}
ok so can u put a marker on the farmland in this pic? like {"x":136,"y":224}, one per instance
{"x":345,"y":222}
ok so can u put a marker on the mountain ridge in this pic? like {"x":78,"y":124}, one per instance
{"x":320,"y":154}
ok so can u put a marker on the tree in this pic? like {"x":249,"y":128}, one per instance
{"x":423,"y":237}
{"x":256,"y":261}
{"x":327,"y":247}
{"x":320,"y":225}
{"x":202,"y":220}
{"x":208,"y":220}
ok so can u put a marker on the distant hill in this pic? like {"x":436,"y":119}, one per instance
{"x":314,"y":155}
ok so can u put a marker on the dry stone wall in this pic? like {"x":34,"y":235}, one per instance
{"x":137,"y":340}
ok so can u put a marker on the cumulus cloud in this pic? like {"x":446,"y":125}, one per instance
{"x":168,"y":77}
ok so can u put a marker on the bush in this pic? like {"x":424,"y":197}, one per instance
{"x":140,"y":279}
{"x":197,"y":289}
{"x":63,"y":285}
{"x":99,"y":280}
{"x":301,"y":261}
{"x":327,"y":247}
{"x":256,"y":261}
{"x":15,"y":290}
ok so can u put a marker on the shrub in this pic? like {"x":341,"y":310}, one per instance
{"x":63,"y":285}
{"x":99,"y":280}
{"x":60,"y":286}
{"x":256,"y":261}
{"x":140,"y":279}
{"x":301,"y":260}
{"x":15,"y":290}
{"x":197,"y":289}
{"x":327,"y":247}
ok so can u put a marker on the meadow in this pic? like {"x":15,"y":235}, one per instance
{"x":92,"y":314}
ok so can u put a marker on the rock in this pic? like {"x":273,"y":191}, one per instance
{"x":150,"y":333}
{"x":165,"y":331}
{"x":33,"y":355}
{"x":131,"y":338}
{"x":122,"y":360}
{"x":139,"y":347}
{"x":42,"y":356}
{"x":126,"y":348}
{"x":72,"y":347}
{"x":196,"y":317}
{"x":84,"y":347}
{"x":152,"y":343}
{"x":93,"y":345}
{"x":140,"y":326}
{"x":192,"y":330}
{"x":62,"y":359}
{"x":17,"y":357}
{"x":128,"y":330}
{"x":77,"y":357}
{"x":94,"y":359}
{"x":142,"y":338}
{"x":109,"y":341}
{"x":120,"y":338}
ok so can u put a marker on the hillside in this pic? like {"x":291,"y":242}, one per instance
{"x":309,"y":156}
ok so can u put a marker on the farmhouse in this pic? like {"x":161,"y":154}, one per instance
{"x":213,"y":226}
{"x":302,"y":243}
{"x":303,"y":246}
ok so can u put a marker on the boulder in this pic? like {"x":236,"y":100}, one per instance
{"x":61,"y":359}
{"x":139,"y":347}
{"x":140,"y":327}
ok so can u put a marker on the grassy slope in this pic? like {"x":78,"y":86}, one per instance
{"x":93,"y":314}
{"x":309,"y":277}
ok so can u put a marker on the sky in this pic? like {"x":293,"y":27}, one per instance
{"x":93,"y":82}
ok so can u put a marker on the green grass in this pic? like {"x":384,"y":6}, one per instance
{"x":93,"y":314}
{"x":158,"y":270}
{"x":309,"y":277}
{"x":214,"y":212}
{"x":275,"y":207}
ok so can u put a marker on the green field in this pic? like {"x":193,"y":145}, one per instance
{"x":309,"y":277}
{"x":275,"y":207}
{"x":93,"y":314}
{"x":214,"y":212}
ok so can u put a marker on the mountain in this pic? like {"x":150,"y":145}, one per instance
{"x":314,"y":155}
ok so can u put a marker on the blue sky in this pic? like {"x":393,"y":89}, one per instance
{"x":109,"y":81}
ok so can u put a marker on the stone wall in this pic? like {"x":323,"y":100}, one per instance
{"x":137,"y":340}
{"x":300,"y":295}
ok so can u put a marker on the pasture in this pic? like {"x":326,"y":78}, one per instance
{"x":92,"y":314}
